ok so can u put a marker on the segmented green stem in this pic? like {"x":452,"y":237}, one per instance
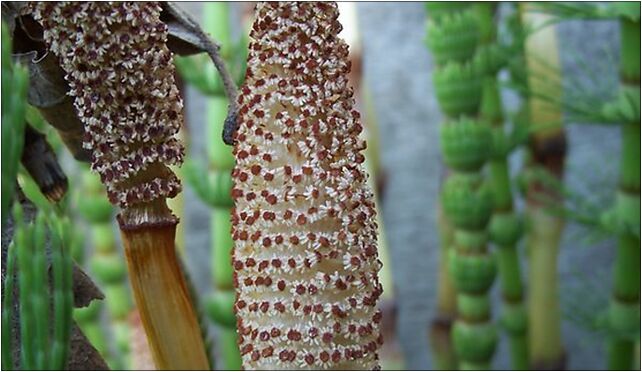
{"x":504,"y":228}
{"x":28,"y":320}
{"x":547,"y":151}
{"x":110,"y":272}
{"x":15,"y":81}
{"x":7,"y":310}
{"x":216,"y":189}
{"x":216,"y":20}
{"x":440,"y":332}
{"x":88,"y":318}
{"x":40,"y":349}
{"x":624,"y":312}
{"x":453,"y":36}
{"x":62,"y":292}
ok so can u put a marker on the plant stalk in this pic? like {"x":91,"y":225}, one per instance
{"x":162,"y":297}
{"x":624,"y":312}
{"x":440,"y":329}
{"x":544,"y":233}
{"x":504,"y":235}
{"x":453,"y":36}
{"x":216,"y":19}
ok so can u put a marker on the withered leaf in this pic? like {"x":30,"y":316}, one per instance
{"x":48,"y":92}
{"x":42,"y":164}
{"x":182,"y":39}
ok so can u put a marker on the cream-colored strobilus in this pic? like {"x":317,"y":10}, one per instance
{"x":305,"y":254}
{"x":121,"y":78}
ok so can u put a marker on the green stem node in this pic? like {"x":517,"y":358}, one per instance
{"x":472,"y":241}
{"x":509,"y":269}
{"x":473,"y":308}
{"x":505,"y":230}
{"x":220,"y":305}
{"x":624,"y":319}
{"x":630,"y":161}
{"x":222,"y":245}
{"x":472,"y":273}
{"x":474,"y":342}
{"x":630,"y":50}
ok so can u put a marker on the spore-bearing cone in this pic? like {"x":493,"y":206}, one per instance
{"x":162,"y":297}
{"x":121,"y":77}
{"x":305,"y":254}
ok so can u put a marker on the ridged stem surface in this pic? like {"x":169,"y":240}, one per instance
{"x":163,"y":298}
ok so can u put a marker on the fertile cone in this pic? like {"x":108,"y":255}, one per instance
{"x":120,"y":74}
{"x":305,"y":254}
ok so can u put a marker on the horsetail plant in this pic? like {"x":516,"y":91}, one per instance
{"x":44,"y":346}
{"x":120,"y":74}
{"x":453,"y":41}
{"x":106,"y":264}
{"x":623,"y":219}
{"x":546,"y":153}
{"x":505,"y":226}
{"x":216,"y":189}
{"x":305,"y":254}
{"x":15,"y":82}
{"x":623,"y":317}
{"x":466,"y":143}
{"x":624,"y":311}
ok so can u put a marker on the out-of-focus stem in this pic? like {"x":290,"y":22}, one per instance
{"x":504,"y":228}
{"x":440,"y":339}
{"x":109,"y":270}
{"x":548,"y":150}
{"x":453,"y":36}
{"x":624,"y":311}
{"x":543,"y":305}
{"x":217,"y":23}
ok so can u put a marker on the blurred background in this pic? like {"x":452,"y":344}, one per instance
{"x":392,"y":73}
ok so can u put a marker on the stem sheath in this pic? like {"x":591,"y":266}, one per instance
{"x":163,"y":299}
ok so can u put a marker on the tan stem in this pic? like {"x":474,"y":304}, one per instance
{"x":446,"y":292}
{"x":163,"y":299}
{"x":546,"y":349}
{"x":440,"y":328}
{"x":548,"y":151}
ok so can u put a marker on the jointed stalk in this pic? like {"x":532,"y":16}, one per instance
{"x":215,"y":190}
{"x":106,"y":264}
{"x":441,"y":327}
{"x":453,"y":35}
{"x":121,"y":77}
{"x":624,"y":312}
{"x":15,"y":83}
{"x":217,"y":23}
{"x":45,"y":303}
{"x":544,"y":233}
{"x":505,"y":226}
